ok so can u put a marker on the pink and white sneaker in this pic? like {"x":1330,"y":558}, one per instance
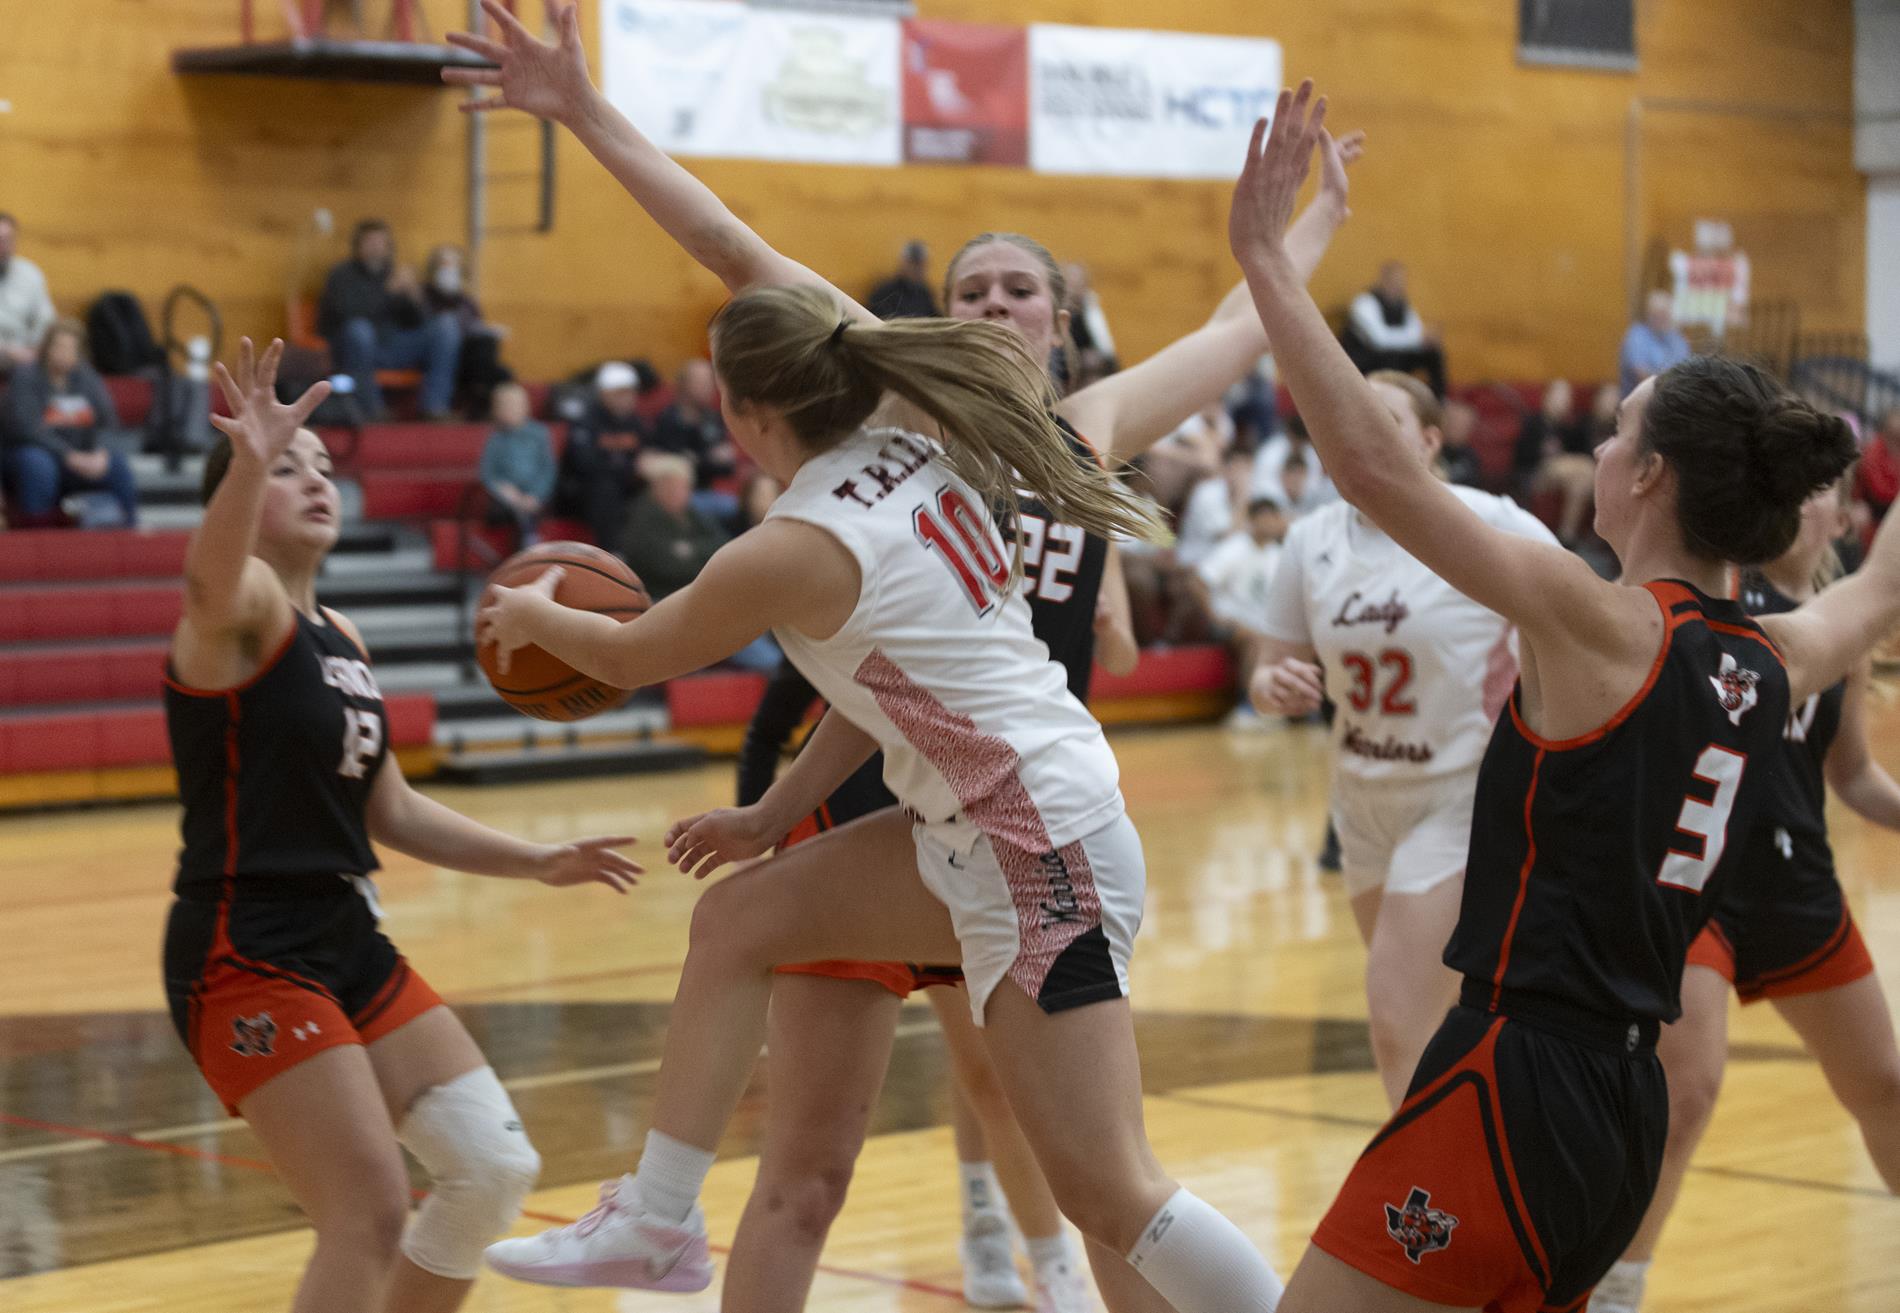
{"x":616,"y":1245}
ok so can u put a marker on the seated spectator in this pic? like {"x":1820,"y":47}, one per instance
{"x":1383,"y":331}
{"x":56,"y":410}
{"x":518,"y":464}
{"x":1231,"y":586}
{"x":26,"y":307}
{"x":1653,"y":343}
{"x":1214,"y":508}
{"x":1553,"y":455}
{"x":1457,"y":457}
{"x":478,"y":370}
{"x":600,"y":471}
{"x":756,"y":496}
{"x":906,"y":294}
{"x":693,"y":427}
{"x":1088,"y":328}
{"x":1292,"y":448}
{"x":1877,"y":479}
{"x":665,"y":540}
{"x":373,"y":315}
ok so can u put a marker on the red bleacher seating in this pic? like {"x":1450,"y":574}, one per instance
{"x":93,"y":672}
{"x":131,"y":397}
{"x":714,"y":698}
{"x":69,"y":612}
{"x":1203,"y":668}
{"x":445,"y":538}
{"x":53,"y":554}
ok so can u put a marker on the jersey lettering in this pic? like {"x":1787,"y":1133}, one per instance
{"x":1363,"y":694}
{"x":362,"y":740}
{"x":351,"y":677}
{"x":1355,"y":610}
{"x":1704,"y":824}
{"x":1802,"y":719}
{"x":970,"y":548}
{"x":1052,"y":553}
{"x":905,"y":456}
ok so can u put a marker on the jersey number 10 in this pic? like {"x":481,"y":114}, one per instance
{"x":968,"y":546}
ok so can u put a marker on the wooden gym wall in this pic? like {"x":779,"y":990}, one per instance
{"x":1522,"y":197}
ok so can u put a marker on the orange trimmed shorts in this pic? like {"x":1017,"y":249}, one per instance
{"x":275,"y":972}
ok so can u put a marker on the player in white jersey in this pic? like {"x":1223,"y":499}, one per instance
{"x":1417,"y":672}
{"x":882,"y":574}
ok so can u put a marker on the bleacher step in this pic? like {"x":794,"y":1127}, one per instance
{"x":458,"y":736}
{"x":567,"y":764}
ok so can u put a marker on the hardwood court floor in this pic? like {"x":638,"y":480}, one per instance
{"x":124,"y":1187}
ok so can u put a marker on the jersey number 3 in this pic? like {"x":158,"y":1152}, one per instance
{"x":1702,"y":828}
{"x":964,"y":541}
{"x":362,"y":740}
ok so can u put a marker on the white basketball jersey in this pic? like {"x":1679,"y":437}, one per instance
{"x":936,"y":663}
{"x":1408,"y":659}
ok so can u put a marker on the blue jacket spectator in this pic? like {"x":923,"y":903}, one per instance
{"x":56,"y":411}
{"x":1653,"y":343}
{"x":518,"y":463}
{"x":374,"y":317}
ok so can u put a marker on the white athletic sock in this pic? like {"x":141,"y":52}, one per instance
{"x":1621,"y":1289}
{"x":981,"y":1194}
{"x":1200,"y":1262}
{"x":1050,"y":1250}
{"x":670,"y":1175}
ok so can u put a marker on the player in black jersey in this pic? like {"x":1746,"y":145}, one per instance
{"x":303,"y":1017}
{"x":1781,"y":928}
{"x":1632,"y":762}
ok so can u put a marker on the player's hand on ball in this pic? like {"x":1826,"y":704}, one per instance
{"x":507,"y":620}
{"x":700,"y":845}
{"x":590,"y":861}
{"x":547,"y":81}
{"x":1287,"y":688}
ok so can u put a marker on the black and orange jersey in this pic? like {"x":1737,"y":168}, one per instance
{"x":1595,"y":860}
{"x":1797,"y":802}
{"x":275,"y":774}
{"x":1062,"y":580}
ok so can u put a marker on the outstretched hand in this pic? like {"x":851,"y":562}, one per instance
{"x":507,"y":615}
{"x":590,"y":861}
{"x":700,"y":845}
{"x":259,"y":425}
{"x":1336,"y":155}
{"x":1277,"y":163}
{"x":546,"y":80}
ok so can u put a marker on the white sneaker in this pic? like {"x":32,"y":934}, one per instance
{"x":990,"y":1279}
{"x":615,"y":1245}
{"x":1061,"y":1288}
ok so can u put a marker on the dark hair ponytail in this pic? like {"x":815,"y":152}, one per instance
{"x":1747,"y":453}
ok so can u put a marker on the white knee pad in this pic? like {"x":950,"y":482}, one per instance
{"x":468,"y":1136}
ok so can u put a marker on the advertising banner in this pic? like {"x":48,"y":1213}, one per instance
{"x":1145,"y":104}
{"x":666,"y":64}
{"x":966,"y":93}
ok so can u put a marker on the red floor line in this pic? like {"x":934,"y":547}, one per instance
{"x":259,"y":1165}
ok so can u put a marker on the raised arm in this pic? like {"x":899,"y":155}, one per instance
{"x":550,"y":81}
{"x":783,"y":572}
{"x":1860,"y":781}
{"x":226,"y":588}
{"x":1828,"y":637}
{"x":1129,"y":411}
{"x":1541,"y":588}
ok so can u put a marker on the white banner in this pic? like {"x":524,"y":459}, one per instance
{"x":1145,"y":104}
{"x":718,"y":79}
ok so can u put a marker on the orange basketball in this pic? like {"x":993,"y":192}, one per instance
{"x":538,"y":684}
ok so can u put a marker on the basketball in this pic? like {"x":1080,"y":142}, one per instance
{"x":537,"y":684}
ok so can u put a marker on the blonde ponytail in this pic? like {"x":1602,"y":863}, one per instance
{"x":788,"y":348}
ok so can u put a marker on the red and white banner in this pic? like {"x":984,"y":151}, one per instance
{"x":966,"y":93}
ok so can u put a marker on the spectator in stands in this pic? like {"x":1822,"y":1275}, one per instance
{"x":56,"y":411}
{"x":1192,"y":453}
{"x":1877,"y":481}
{"x":600,"y":471}
{"x":1231,"y":587}
{"x":1383,"y":331}
{"x":374,"y":316}
{"x":1458,"y":457}
{"x":1088,"y":328}
{"x":1554,"y":455}
{"x":906,"y":294}
{"x":693,"y":427}
{"x":1215,"y":507}
{"x":668,"y":541}
{"x":1653,"y":343}
{"x":518,"y":463}
{"x":478,"y":370}
{"x":1292,"y":446}
{"x":1297,"y":482}
{"x":26,"y":307}
{"x":756,"y":496}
